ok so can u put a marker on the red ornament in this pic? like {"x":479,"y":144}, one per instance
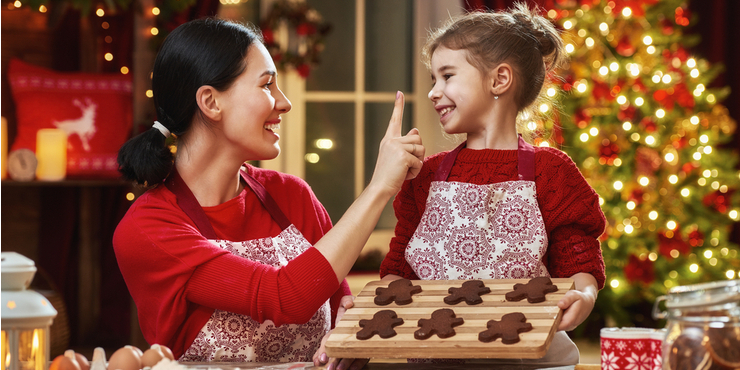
{"x":582,"y":118}
{"x":682,"y":16}
{"x":608,"y":152}
{"x":667,"y":244}
{"x":666,"y":27}
{"x":268,"y":35}
{"x":305,"y":29}
{"x":696,"y":238}
{"x":304,"y":70}
{"x":625,"y":47}
{"x":601,"y":91}
{"x":718,"y":200}
{"x":648,"y":124}
{"x":627,"y":113}
{"x":636,"y":196}
{"x":638,"y":270}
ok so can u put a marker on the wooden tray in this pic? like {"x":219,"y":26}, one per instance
{"x":544,"y":317}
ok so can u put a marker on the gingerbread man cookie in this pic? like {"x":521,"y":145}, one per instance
{"x":382,"y":324}
{"x":399,"y":291}
{"x":441,"y":324}
{"x":534,"y":290}
{"x":507,"y":329}
{"x":470,"y":292}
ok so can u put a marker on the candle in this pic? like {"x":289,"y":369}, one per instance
{"x":51,"y":152}
{"x":4,"y":159}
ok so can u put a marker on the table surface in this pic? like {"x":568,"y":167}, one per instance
{"x":373,"y":365}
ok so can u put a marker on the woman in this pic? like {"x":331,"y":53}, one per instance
{"x":226,"y":261}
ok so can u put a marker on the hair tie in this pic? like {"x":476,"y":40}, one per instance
{"x":161,"y":129}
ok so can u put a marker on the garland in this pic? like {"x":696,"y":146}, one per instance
{"x":306,"y":31}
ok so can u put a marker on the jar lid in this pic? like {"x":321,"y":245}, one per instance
{"x":716,"y":292}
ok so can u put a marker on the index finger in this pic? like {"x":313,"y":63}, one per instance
{"x":394,"y":126}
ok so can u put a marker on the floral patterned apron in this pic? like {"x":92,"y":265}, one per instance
{"x":229,"y":337}
{"x":493,"y":231}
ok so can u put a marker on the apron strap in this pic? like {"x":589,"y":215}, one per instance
{"x":525,"y":154}
{"x":189,"y":204}
{"x":526,"y":160}
{"x":443,"y":171}
{"x":267,"y":201}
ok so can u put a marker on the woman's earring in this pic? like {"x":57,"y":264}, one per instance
{"x":495,"y":97}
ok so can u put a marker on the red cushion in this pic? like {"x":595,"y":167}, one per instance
{"x":94,"y":109}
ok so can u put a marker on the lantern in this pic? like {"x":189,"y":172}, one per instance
{"x":26,"y":316}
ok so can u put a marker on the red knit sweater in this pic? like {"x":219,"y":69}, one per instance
{"x":177,"y":277}
{"x":570,"y":208}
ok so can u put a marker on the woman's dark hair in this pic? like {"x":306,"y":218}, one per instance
{"x":201,"y":52}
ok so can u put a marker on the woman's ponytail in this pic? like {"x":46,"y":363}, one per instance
{"x":145,"y":159}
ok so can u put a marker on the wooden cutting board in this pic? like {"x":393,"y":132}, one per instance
{"x":544,"y":317}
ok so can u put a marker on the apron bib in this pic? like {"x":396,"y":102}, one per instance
{"x":493,"y":231}
{"x":230,"y":337}
{"x":470,"y":231}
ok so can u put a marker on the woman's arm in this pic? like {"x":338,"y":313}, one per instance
{"x":399,"y":159}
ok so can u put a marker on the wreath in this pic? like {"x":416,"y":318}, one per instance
{"x":306,"y":31}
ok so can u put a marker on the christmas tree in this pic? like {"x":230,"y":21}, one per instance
{"x":636,"y":113}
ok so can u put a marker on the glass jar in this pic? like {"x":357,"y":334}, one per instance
{"x":703,"y":326}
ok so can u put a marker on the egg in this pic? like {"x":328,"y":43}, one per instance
{"x":152,"y":356}
{"x":125,"y":358}
{"x":82,"y":361}
{"x":66,"y":361}
{"x":166,"y":351}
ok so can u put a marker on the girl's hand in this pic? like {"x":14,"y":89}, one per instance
{"x":579,"y":302}
{"x":399,"y":157}
{"x":320,"y":358}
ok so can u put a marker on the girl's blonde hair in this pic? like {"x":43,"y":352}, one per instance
{"x":519,"y":36}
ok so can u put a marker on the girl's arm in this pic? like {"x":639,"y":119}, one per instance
{"x":578,"y":302}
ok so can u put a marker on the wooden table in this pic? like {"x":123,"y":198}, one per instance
{"x":544,"y":317}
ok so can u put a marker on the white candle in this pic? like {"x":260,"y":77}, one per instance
{"x":51,"y":152}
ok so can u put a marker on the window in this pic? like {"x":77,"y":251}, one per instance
{"x":341,"y":111}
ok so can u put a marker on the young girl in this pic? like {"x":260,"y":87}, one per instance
{"x":497,"y":207}
{"x":226,"y":261}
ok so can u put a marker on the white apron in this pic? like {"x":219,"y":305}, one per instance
{"x":493,"y":231}
{"x":230,"y":337}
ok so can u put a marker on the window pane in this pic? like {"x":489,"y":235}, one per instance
{"x":376,"y":123}
{"x":389,"y":51}
{"x":336,"y":69}
{"x":330,"y":155}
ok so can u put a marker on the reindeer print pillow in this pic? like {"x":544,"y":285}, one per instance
{"x":95,"y":111}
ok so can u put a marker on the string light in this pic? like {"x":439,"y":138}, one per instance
{"x":651,"y":49}
{"x":673,"y":179}
{"x":734,"y":214}
{"x":694,"y":268}
{"x":626,"y":12}
{"x":614,"y":283}
{"x":694,"y":120}
{"x":593,"y":131}
{"x":154,"y":31}
{"x":653,"y":215}
{"x":691,"y":63}
{"x":149,"y":93}
{"x":17,"y":4}
{"x":108,"y":56}
{"x":671,"y":225}
{"x":618,"y":185}
{"x":647,"y":40}
{"x":130,"y":196}
{"x":567,"y":24}
{"x":730,"y":274}
{"x":627,"y":125}
{"x":694,"y":73}
{"x":42,"y":9}
{"x":685,"y":192}
{"x":100,"y":12}
{"x":124,"y":70}
{"x":590,"y":42}
{"x":649,"y":140}
{"x":660,"y":113}
{"x":644,"y":181}
{"x":631,"y":205}
{"x":155,"y":11}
